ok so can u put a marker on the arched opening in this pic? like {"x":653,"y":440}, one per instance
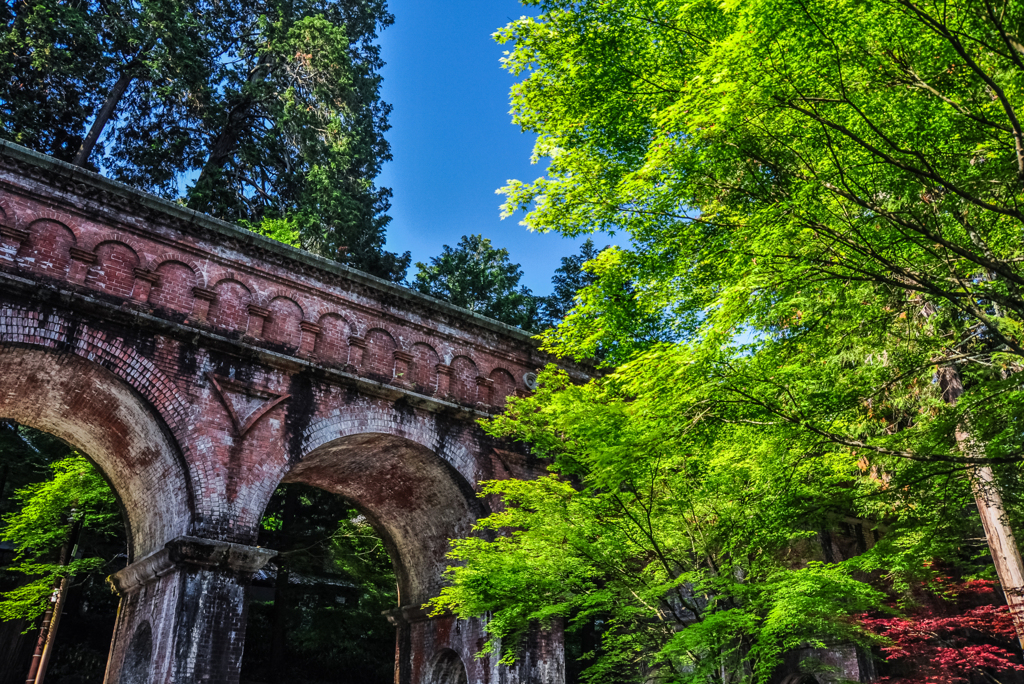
{"x":122,"y":444}
{"x":799,"y":678}
{"x":380,"y":487}
{"x":414,"y":499}
{"x":315,"y":612}
{"x":448,"y":669}
{"x":59,"y":516}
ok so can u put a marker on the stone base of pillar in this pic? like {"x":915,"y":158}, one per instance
{"x":437,"y":650}
{"x":182,"y":613}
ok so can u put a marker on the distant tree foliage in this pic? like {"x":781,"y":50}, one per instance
{"x":52,"y":75}
{"x":481,"y":278}
{"x":272,"y":107}
{"x":327,"y":552}
{"x":48,"y":509}
{"x":569,"y":279}
{"x":44,"y":480}
{"x":955,"y":631}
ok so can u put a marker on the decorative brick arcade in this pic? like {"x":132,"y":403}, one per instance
{"x":200,"y":365}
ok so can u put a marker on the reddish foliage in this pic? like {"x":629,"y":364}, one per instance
{"x":949,"y":637}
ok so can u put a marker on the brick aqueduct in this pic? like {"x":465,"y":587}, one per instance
{"x":200,"y":365}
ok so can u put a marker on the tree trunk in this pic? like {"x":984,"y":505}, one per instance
{"x":105,"y":113}
{"x":226,"y":142}
{"x":51,"y":636}
{"x":1001,"y":543}
{"x":51,"y":618}
{"x":44,"y":630}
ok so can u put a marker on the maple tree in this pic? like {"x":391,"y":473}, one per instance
{"x":956,"y":632}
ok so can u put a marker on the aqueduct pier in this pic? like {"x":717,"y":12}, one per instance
{"x":200,"y":365}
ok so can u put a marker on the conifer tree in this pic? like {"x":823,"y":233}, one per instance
{"x":479,"y":277}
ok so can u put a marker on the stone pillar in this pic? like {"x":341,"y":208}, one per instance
{"x":10,"y":242}
{"x":81,"y":260}
{"x":257,"y":317}
{"x":444,"y":380}
{"x":204,"y":298}
{"x":356,"y":349}
{"x":144,"y":282}
{"x":543,"y":657}
{"x":182,"y":613}
{"x":403,"y":368}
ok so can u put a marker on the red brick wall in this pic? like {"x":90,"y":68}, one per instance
{"x":114,"y":269}
{"x":173,"y":290}
{"x":379,"y":357}
{"x":463,"y":382}
{"x":228,"y":311}
{"x":331,"y":345}
{"x":423,"y":370}
{"x":128,"y":253}
{"x":48,"y":248}
{"x":282,"y":327}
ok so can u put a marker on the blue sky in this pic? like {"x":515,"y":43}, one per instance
{"x":452,"y":137}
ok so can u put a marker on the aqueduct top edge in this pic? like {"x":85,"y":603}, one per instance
{"x":228,"y":230}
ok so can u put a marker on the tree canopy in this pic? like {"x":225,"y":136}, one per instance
{"x":817,"y":318}
{"x":42,"y":524}
{"x":250,"y":112}
{"x":325,"y":547}
{"x":569,"y":279}
{"x":481,"y":278}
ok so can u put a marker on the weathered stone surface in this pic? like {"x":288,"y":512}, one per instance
{"x":200,"y":365}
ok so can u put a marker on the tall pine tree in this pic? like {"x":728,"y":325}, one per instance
{"x":250,"y":112}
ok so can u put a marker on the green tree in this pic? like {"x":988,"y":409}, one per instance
{"x":42,"y":525}
{"x":297,"y":130}
{"x":76,"y":67}
{"x":480,"y":278}
{"x":823,"y":203}
{"x":568,"y":280}
{"x":51,"y":76}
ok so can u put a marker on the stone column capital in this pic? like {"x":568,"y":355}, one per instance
{"x":190,"y":552}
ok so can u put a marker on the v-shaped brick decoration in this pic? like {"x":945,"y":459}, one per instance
{"x":246,"y":403}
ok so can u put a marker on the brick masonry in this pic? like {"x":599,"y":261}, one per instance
{"x":200,"y":365}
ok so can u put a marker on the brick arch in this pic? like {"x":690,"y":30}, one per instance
{"x":114,"y":268}
{"x":463,"y":382}
{"x":410,"y":479}
{"x":9,"y":215}
{"x":229,"y":308}
{"x":173,"y":290}
{"x":102,"y":397}
{"x":504,"y":385}
{"x":379,"y":357}
{"x":262,"y":297}
{"x":60,"y":217}
{"x":283,"y":324}
{"x":47,"y":251}
{"x":423,"y":368}
{"x":331,"y":345}
{"x":198,"y":271}
{"x":447,"y":667}
{"x":91,"y":242}
{"x":420,"y":428}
